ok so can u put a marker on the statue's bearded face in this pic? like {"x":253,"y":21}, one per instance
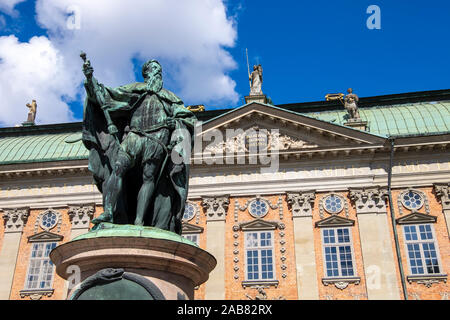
{"x":153,"y":77}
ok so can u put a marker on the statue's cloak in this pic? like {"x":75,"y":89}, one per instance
{"x":170,"y":194}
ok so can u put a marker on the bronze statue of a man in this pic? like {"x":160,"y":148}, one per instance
{"x":132,"y":133}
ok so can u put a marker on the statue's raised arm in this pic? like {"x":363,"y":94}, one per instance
{"x":97,"y":92}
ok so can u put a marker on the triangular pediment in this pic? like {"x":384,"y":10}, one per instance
{"x":416,"y":217}
{"x":335,"y":221}
{"x":258,"y":224}
{"x":45,"y":236}
{"x":188,"y":228}
{"x":295,"y":132}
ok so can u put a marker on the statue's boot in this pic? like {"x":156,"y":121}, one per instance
{"x":104,"y":217}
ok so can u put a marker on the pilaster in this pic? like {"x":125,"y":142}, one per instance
{"x":216,"y":208}
{"x":301,"y":206}
{"x":376,"y":243}
{"x":442,"y":191}
{"x":14,"y":220}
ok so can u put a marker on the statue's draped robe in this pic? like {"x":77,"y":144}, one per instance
{"x":170,"y":193}
{"x":256,"y":78}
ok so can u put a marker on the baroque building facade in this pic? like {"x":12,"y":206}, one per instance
{"x":329,"y":209}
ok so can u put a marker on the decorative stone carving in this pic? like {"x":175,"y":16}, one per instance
{"x":427,"y":280}
{"x":322,"y":205}
{"x":280,"y":206}
{"x":369,"y":200}
{"x":263,"y":139}
{"x":301,"y":203}
{"x":281,"y":227}
{"x":215,"y":207}
{"x":401,"y":205}
{"x":81,"y":216}
{"x":261,"y":295}
{"x":15,"y":219}
{"x":191,"y":210}
{"x":442,"y":191}
{"x":341,"y":283}
{"x":267,"y":204}
{"x":36,"y":294}
{"x":236,"y":229}
{"x":43,"y":220}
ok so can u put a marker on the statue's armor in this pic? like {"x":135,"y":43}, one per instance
{"x":148,"y":114}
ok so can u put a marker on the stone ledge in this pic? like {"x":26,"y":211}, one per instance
{"x":252,"y":283}
{"x":341,"y":282}
{"x":427,"y":280}
{"x":36,"y":294}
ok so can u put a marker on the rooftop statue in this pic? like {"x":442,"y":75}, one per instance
{"x":256,"y":79}
{"x":137,"y":136}
{"x":351,"y":105}
{"x":32,"y":111}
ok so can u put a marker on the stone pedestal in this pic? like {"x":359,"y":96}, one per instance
{"x":143,"y":262}
{"x":357,"y":124}
{"x":256,"y":98}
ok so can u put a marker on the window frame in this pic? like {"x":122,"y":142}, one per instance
{"x":337,"y":245}
{"x":422,"y":256}
{"x":41,"y":273}
{"x":188,"y":235}
{"x":259,"y":248}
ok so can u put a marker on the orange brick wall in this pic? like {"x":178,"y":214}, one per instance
{"x":287,"y":287}
{"x":25,"y":251}
{"x":420,"y":291}
{"x":353,"y":291}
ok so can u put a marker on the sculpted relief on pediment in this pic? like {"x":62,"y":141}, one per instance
{"x":257,"y":139}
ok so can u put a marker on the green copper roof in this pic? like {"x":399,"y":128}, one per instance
{"x":40,"y":148}
{"x":403,"y":119}
{"x":386,"y":116}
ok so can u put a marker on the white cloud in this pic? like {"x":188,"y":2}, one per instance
{"x":189,"y":38}
{"x":7,"y":6}
{"x":33,"y":70}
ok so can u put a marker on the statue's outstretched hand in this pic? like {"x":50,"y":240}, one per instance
{"x":88,"y":70}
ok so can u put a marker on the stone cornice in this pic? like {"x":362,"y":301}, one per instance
{"x":44,"y":172}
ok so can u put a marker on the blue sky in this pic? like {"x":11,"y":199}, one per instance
{"x":307,"y":49}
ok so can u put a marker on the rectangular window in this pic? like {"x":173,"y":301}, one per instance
{"x":259,"y":255}
{"x":40,"y":270}
{"x":338,"y":252}
{"x":192,"y":237}
{"x":421,"y":249}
